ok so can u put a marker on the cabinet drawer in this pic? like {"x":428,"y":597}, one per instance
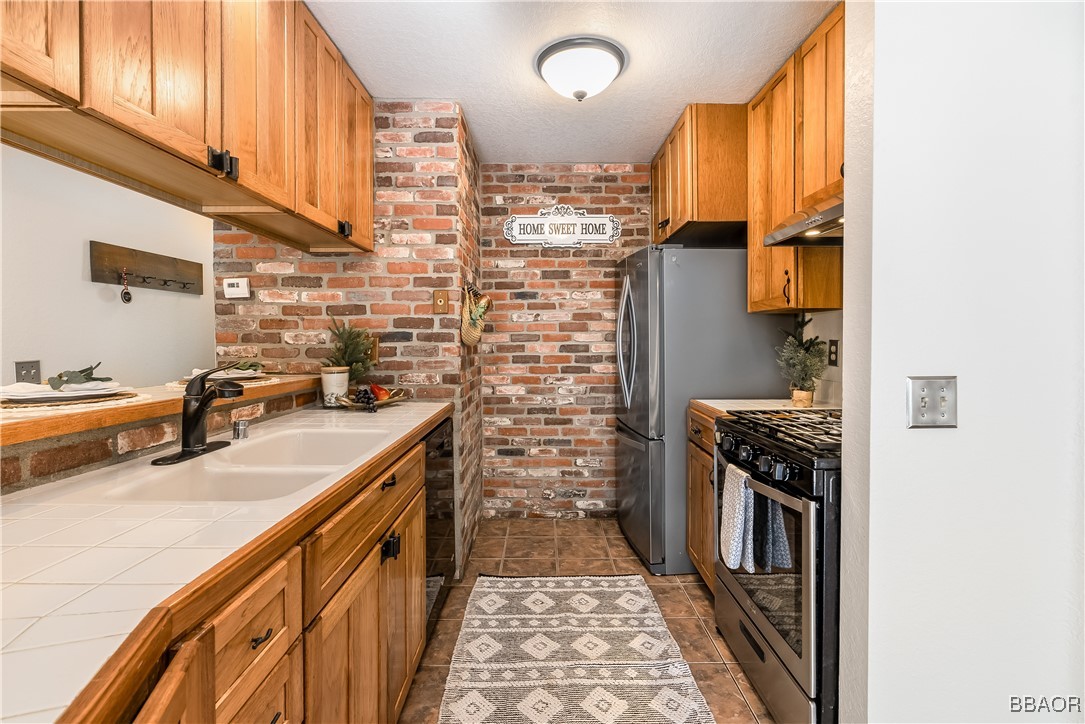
{"x":336,"y":548}
{"x":254,"y":631}
{"x":279,"y":698}
{"x":701,"y":429}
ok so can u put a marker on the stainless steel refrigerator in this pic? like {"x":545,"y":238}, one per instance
{"x":683,"y":332}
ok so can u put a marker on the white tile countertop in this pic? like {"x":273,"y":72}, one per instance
{"x":78,"y":573}
{"x":718,"y":408}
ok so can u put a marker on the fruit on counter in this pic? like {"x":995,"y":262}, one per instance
{"x":364,"y":396}
{"x":379,"y":392}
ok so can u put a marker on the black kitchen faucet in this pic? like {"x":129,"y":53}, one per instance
{"x":197,"y":403}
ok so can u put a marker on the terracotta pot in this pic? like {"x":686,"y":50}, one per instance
{"x":802,"y":398}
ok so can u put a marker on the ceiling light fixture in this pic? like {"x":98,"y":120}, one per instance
{"x":580,"y":68}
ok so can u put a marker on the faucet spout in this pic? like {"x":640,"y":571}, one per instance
{"x":194,"y":408}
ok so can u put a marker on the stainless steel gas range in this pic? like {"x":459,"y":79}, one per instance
{"x":777,"y":604}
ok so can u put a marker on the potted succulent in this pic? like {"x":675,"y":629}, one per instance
{"x":349,"y":361}
{"x":802,"y":362}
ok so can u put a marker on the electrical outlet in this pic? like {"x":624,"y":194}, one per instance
{"x":932,"y":402}
{"x":440,"y":301}
{"x":834,"y":352}
{"x":28,"y":371}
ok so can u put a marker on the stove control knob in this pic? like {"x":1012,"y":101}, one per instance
{"x":781,"y":471}
{"x":746,"y":453}
{"x":728,"y":443}
{"x":764,"y":463}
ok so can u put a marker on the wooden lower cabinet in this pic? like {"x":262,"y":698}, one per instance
{"x":279,"y":699}
{"x":185,"y":693}
{"x":403,"y":602}
{"x":343,"y":652}
{"x":700,"y":512}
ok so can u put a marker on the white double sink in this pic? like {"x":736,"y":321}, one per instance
{"x":264,"y":467}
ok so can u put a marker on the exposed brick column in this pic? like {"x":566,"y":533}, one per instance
{"x":549,"y":377}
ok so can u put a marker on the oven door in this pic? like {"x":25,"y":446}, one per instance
{"x":776,"y":582}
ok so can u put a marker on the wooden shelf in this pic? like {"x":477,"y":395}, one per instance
{"x":14,"y":431}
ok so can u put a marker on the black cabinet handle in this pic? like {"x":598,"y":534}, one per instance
{"x":666,"y":222}
{"x":261,"y":639}
{"x":345,"y":229}
{"x":277,"y":717}
{"x":841,"y":170}
{"x":390,"y":482}
{"x":695,"y":431}
{"x":787,"y":287}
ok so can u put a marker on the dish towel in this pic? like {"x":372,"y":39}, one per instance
{"x":771,"y":549}
{"x":732,"y":516}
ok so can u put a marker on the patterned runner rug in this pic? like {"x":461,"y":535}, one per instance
{"x":568,"y":649}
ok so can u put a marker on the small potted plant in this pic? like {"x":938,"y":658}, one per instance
{"x":349,"y":361}
{"x":802,"y":362}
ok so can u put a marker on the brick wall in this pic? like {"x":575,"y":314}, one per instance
{"x":549,"y":377}
{"x":42,"y":461}
{"x":427,"y":223}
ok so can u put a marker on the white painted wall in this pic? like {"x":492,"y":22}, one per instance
{"x":51,"y":309}
{"x":969,"y":541}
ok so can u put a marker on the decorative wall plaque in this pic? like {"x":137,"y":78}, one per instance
{"x":564,"y":227}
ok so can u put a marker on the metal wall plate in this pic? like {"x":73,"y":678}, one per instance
{"x":932,"y":401}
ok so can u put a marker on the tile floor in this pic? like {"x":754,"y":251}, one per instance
{"x":587,"y":547}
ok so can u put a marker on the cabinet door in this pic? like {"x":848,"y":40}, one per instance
{"x":403,"y":603}
{"x":40,"y":45}
{"x":279,"y":698}
{"x":153,"y":67}
{"x":661,"y":216}
{"x":343,"y":651}
{"x":680,"y":172}
{"x":355,"y":159}
{"x":772,"y":273}
{"x":694,"y":504}
{"x":317,"y":83}
{"x":709,"y":525}
{"x":185,"y":693}
{"x":819,"y":112}
{"x":258,"y":95}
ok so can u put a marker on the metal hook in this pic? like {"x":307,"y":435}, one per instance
{"x":126,"y":296}
{"x":167,"y":282}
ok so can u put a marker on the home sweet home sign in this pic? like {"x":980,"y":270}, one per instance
{"x":562,"y":226}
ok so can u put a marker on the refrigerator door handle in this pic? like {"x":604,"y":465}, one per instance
{"x":623,"y":306}
{"x":633,"y":347}
{"x":624,"y":439}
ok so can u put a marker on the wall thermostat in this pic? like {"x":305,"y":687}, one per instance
{"x":236,"y":288}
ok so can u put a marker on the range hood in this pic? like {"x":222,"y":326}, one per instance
{"x":819,"y":225}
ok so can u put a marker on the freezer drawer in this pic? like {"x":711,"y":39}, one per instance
{"x":640,"y":493}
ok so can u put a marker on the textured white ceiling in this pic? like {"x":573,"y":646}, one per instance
{"x":482,"y":55}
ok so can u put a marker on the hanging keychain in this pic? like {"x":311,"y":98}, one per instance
{"x":126,"y":296}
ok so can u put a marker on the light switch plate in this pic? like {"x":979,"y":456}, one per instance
{"x":29,"y":371}
{"x":932,"y":401}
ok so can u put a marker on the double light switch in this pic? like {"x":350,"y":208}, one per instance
{"x":932,"y":402}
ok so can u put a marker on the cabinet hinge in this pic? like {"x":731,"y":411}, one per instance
{"x":390,"y":548}
{"x":345,"y":229}
{"x":223,"y":162}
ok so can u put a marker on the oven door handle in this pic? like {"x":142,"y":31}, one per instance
{"x":782,"y":498}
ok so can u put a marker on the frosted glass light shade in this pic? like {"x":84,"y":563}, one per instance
{"x":580,"y":68}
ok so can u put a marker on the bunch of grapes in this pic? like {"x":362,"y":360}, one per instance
{"x":365,"y":396}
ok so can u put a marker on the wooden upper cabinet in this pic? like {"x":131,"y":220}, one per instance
{"x":40,"y":45}
{"x":355,"y":160}
{"x":660,"y":195}
{"x":819,"y":112}
{"x":403,"y":603}
{"x":680,"y":172}
{"x":258,"y":95}
{"x":185,"y":693}
{"x":343,"y":652}
{"x":153,"y":67}
{"x":699,"y":174}
{"x":317,"y":69}
{"x":771,"y":270}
